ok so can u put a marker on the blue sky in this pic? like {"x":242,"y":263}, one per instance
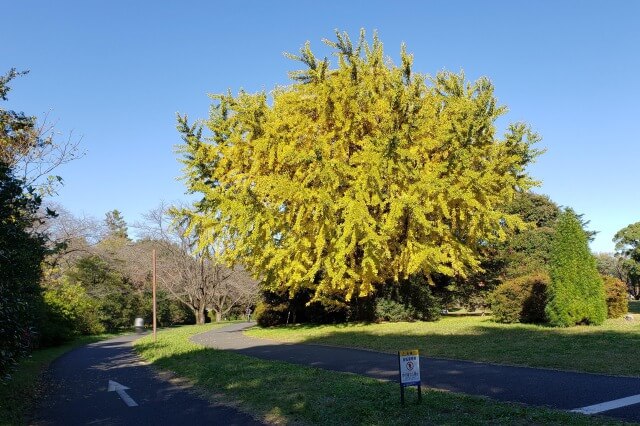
{"x":116,"y":72}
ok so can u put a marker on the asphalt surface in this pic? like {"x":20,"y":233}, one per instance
{"x":78,"y":392}
{"x":533,"y":386}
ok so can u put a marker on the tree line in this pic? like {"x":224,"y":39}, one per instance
{"x":63,"y":275}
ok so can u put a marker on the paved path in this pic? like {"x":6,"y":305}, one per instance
{"x":78,"y":392}
{"x":532,"y":386}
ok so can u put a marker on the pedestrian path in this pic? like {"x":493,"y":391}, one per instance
{"x":106,"y":383}
{"x":588,"y":393}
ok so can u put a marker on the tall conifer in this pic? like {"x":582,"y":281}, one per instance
{"x":576,"y":293}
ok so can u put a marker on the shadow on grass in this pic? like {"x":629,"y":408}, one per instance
{"x":286,"y":393}
{"x":588,"y":349}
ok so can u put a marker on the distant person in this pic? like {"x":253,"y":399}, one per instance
{"x":247,"y":312}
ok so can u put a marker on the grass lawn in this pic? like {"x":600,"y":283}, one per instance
{"x":18,"y":396}
{"x":283,"y":393}
{"x":611,"y":348}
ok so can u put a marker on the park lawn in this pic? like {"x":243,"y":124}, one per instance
{"x":19,"y":395}
{"x":282,"y":393}
{"x":611,"y":348}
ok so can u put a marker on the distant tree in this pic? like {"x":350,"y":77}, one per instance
{"x":196,"y":278}
{"x":356,"y":175}
{"x":576,"y":293}
{"x":116,"y":225}
{"x":628,"y":250}
{"x":118,"y":300}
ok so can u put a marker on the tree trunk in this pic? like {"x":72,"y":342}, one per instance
{"x":218,"y":316}
{"x":201,"y":317}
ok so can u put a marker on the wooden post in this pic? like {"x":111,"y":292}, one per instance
{"x":154,"y":296}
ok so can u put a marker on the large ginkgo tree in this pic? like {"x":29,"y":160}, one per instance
{"x":355,"y":175}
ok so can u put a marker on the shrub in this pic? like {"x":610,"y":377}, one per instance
{"x":390,"y":310}
{"x":617,"y":297}
{"x":521,"y":299}
{"x":409,"y":299}
{"x":268,"y":315}
{"x":576,"y":292}
{"x":69,"y":312}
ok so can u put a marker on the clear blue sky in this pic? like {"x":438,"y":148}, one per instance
{"x":116,"y":72}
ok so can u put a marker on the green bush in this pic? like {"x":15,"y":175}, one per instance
{"x":268,"y":314}
{"x":407,"y":300}
{"x":617,"y":296}
{"x":69,"y":312}
{"x":390,"y":310}
{"x":521,"y":299}
{"x":576,"y":292}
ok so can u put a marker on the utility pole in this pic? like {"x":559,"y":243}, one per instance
{"x":154,"y":295}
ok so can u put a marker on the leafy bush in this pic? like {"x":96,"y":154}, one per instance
{"x":617,"y":296}
{"x":521,"y":299}
{"x":390,"y":310}
{"x":69,"y":312}
{"x":576,"y":292}
{"x":268,"y":315}
{"x":409,"y":299}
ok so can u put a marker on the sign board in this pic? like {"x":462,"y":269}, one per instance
{"x":409,"y":368}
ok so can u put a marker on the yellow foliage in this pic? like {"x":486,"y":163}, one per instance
{"x":355,"y":175}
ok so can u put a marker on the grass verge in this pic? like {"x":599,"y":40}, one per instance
{"x":283,"y":393}
{"x":19,"y":395}
{"x":605,"y":349}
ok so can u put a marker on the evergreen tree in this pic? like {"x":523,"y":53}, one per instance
{"x":576,"y":293}
{"x":116,"y":225}
{"x":21,"y":253}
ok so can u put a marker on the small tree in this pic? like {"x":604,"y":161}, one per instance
{"x":576,"y":292}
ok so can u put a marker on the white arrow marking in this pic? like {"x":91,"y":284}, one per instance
{"x":120,"y":389}
{"x":609,"y":405}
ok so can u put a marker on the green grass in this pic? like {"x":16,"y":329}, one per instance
{"x":611,"y":348}
{"x":19,"y":395}
{"x":283,"y":393}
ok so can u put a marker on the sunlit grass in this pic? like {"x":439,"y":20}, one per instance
{"x":609,"y":348}
{"x":283,"y":393}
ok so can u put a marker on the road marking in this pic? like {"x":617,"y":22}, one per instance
{"x":120,"y":389}
{"x":609,"y":405}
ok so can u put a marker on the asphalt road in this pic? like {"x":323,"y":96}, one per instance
{"x":542,"y":387}
{"x":78,"y":392}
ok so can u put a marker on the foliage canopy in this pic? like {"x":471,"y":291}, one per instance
{"x":628,"y":250}
{"x":354,"y":175}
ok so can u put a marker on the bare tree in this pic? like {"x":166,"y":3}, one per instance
{"x":194,"y":277}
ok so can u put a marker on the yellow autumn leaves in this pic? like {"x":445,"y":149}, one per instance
{"x":356,"y":175}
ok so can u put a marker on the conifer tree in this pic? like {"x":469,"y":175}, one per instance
{"x":576,"y":294}
{"x":355,"y":175}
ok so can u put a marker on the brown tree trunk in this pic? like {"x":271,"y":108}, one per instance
{"x":201,"y":317}
{"x":218,"y":316}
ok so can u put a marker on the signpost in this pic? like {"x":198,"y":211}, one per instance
{"x":409,"y":366}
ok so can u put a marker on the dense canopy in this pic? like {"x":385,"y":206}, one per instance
{"x":355,"y":175}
